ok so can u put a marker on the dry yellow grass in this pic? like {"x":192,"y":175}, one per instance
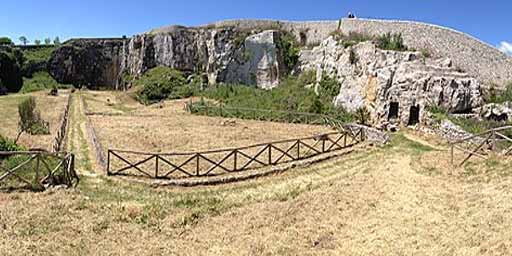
{"x":400,"y":199}
{"x":166,"y":127}
{"x":51,"y":108}
{"x":377,"y":202}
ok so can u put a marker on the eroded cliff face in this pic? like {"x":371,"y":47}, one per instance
{"x":93,"y":63}
{"x":393,"y":86}
{"x":221,"y":55}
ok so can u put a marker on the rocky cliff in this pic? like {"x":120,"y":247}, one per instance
{"x":91,"y":62}
{"x":222,"y":55}
{"x":393,"y":86}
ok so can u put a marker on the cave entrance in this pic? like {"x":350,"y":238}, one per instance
{"x":394,"y":108}
{"x":414,"y":115}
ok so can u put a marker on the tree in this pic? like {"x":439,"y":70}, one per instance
{"x":5,"y":41}
{"x":37,"y":42}
{"x":23,"y":40}
{"x":56,"y":41}
{"x":47,"y":41}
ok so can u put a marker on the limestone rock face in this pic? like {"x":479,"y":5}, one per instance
{"x":497,"y":112}
{"x":221,"y":55}
{"x":92,"y":63}
{"x":261,"y":63}
{"x":391,"y":84}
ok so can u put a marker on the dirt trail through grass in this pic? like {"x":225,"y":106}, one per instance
{"x":78,"y":141}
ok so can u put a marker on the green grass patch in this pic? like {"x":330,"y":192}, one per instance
{"x":42,"y":54}
{"x":41,"y":81}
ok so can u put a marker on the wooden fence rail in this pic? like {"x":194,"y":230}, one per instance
{"x":61,"y":133}
{"x":482,"y":145}
{"x":217,"y":162}
{"x":37,"y":169}
{"x":260,"y":114}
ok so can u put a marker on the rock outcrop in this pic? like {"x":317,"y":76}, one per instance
{"x":501,"y":112}
{"x":222,"y":55}
{"x":11,"y":79}
{"x":392,"y":85}
{"x":93,"y":63}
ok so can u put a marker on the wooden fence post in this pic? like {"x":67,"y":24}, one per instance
{"x":108,"y":163}
{"x":38,"y":162}
{"x":156,"y":166}
{"x":235,"y":153}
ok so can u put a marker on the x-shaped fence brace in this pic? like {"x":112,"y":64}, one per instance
{"x":44,"y":174}
{"x":275,"y":153}
{"x":489,"y":138}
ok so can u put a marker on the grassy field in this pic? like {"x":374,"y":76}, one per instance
{"x":373,"y":202}
{"x":400,"y":199}
{"x":51,"y":108}
{"x":168,"y":128}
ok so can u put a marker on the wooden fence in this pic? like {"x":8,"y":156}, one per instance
{"x":483,"y":145}
{"x":262,"y":114}
{"x":37,"y":170}
{"x":62,"y":132}
{"x":217,"y":162}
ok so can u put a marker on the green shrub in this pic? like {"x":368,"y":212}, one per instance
{"x":30,"y":119}
{"x":290,"y":49}
{"x":328,"y":88}
{"x":41,"y":81}
{"x":494,"y":95}
{"x":162,"y":83}
{"x":362,"y":115}
{"x":8,"y":145}
{"x":42,"y":54}
{"x":292,"y":95}
{"x":392,"y":42}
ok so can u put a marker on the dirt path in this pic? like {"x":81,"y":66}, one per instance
{"x":78,"y":141}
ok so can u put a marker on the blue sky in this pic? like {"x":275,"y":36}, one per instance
{"x":488,"y":20}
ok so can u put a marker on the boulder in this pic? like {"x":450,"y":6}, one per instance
{"x":392,"y":85}
{"x":497,"y":112}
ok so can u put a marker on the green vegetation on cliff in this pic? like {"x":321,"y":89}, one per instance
{"x":162,"y":83}
{"x":41,"y":81}
{"x":292,"y":95}
{"x":42,"y":54}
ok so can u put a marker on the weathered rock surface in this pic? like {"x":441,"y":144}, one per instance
{"x":497,"y":112}
{"x":11,"y":79}
{"x":88,"y":62}
{"x":222,"y":55}
{"x":391,"y":84}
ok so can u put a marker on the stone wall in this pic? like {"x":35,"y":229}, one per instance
{"x":479,"y":59}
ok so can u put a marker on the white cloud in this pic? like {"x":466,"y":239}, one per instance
{"x":506,"y":47}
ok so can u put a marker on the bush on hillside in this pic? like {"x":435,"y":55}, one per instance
{"x":328,"y":88}
{"x":392,"y":42}
{"x":292,"y":95}
{"x":163,"y":83}
{"x":41,"y":81}
{"x":494,"y":95}
{"x":290,"y":49}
